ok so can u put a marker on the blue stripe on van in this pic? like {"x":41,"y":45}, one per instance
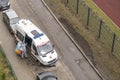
{"x":38,"y":35}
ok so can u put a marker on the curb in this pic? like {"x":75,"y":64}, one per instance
{"x":79,"y":48}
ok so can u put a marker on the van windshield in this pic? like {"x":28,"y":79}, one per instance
{"x":44,"y":49}
{"x":14,"y":20}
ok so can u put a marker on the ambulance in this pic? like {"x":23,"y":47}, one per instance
{"x":37,"y":42}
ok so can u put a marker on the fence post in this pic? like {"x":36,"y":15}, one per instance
{"x":113,"y":43}
{"x":100,"y":28}
{"x":88,"y":16}
{"x":67,"y":1}
{"x":77,"y":6}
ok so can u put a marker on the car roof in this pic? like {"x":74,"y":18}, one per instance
{"x":46,"y":75}
{"x":4,"y":2}
{"x":11,"y":13}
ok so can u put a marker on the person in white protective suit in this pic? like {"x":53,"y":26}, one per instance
{"x":24,"y":54}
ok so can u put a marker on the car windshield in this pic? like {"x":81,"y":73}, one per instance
{"x":44,"y":49}
{"x":49,"y":78}
{"x":14,"y":20}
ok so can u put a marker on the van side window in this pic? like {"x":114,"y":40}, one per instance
{"x":34,"y":48}
{"x":20,"y":36}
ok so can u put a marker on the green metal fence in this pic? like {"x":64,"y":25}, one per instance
{"x":96,"y":25}
{"x":82,"y":12}
{"x":73,"y":5}
{"x":9,"y":65}
{"x":106,"y":36}
{"x":116,"y":50}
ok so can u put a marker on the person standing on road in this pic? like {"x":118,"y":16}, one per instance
{"x":24,"y":54}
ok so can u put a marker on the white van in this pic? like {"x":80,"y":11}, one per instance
{"x":37,"y":42}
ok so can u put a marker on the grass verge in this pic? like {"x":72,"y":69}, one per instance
{"x":5,"y":71}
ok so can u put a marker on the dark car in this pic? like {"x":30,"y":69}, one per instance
{"x":4,"y":4}
{"x":46,"y":76}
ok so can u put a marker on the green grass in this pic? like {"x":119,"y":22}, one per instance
{"x":5,"y":72}
{"x":83,"y":10}
{"x":72,"y":4}
{"x":103,"y":16}
{"x":94,"y":23}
